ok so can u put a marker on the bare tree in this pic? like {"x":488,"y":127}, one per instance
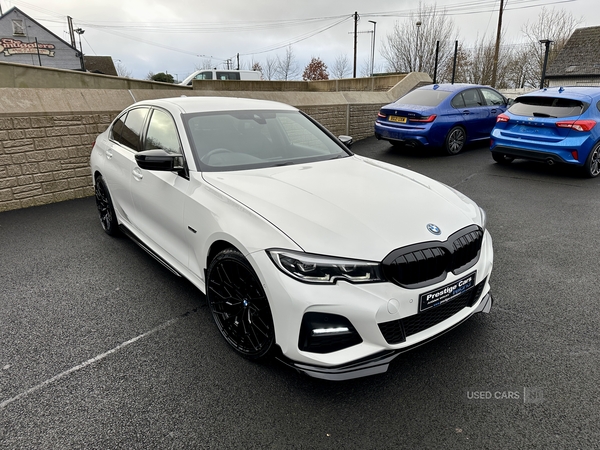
{"x":257,"y":67}
{"x":122,"y":70}
{"x":287,"y":67}
{"x":270,"y":69}
{"x":365,"y":68}
{"x":462,"y":69}
{"x":341,"y":67}
{"x":206,"y":63}
{"x":411,"y":45}
{"x":556,"y":25}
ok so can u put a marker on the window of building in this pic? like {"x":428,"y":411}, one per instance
{"x":18,"y":27}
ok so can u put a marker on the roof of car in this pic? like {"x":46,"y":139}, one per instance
{"x":450,"y":87}
{"x":208,"y":104}
{"x":576,"y":92}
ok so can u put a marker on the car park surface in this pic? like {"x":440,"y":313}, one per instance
{"x":102,"y":347}
{"x":447,"y":116}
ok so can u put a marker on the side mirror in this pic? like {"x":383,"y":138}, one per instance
{"x":346,"y":140}
{"x":160,"y":160}
{"x":510,"y":101}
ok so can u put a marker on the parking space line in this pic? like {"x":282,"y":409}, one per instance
{"x":87,"y":363}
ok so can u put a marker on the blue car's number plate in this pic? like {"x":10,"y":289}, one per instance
{"x":446,"y":293}
{"x":397,"y":119}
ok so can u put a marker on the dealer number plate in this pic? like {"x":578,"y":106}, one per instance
{"x":397,"y":119}
{"x":446,"y":293}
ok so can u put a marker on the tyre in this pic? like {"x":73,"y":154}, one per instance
{"x":108,"y":218}
{"x":239,"y":305}
{"x":591,"y":167}
{"x":501,"y":158}
{"x":455,"y":140}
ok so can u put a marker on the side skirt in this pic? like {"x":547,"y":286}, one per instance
{"x":148,"y":250}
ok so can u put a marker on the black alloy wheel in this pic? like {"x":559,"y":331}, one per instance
{"x":501,"y":158}
{"x":455,"y":140}
{"x":592,"y":164}
{"x":239,"y":305}
{"x":108,"y":218}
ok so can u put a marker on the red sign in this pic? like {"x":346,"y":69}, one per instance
{"x":16,"y":47}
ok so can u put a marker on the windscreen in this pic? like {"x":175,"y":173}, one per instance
{"x":547,"y":107}
{"x":237,"y":140}
{"x":423,"y":97}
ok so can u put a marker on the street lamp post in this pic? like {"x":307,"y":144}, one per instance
{"x":547,"y":42}
{"x":80,"y":31}
{"x":373,"y":47}
{"x":418,"y":62}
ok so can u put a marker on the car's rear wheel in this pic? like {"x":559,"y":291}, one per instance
{"x":239,"y":305}
{"x":106,"y":211}
{"x":455,"y":140}
{"x":592,"y":164}
{"x":501,"y":158}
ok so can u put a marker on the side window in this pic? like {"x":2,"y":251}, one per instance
{"x":471,"y":98}
{"x":457,"y":101}
{"x":129,"y":133}
{"x":492,"y":98}
{"x":117,"y":129}
{"x":162,"y":133}
{"x":204,"y":76}
{"x":228,"y":75}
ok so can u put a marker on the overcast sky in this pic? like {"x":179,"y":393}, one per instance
{"x":176,"y":36}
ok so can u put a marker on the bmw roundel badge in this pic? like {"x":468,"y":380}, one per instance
{"x":434,"y":229}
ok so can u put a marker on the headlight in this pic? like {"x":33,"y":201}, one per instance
{"x":483,"y":218}
{"x":324,"y":269}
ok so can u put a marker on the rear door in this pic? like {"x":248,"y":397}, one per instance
{"x":124,"y":143}
{"x":495,"y":104}
{"x":474,"y":112}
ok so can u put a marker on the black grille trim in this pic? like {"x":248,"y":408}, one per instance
{"x":420,"y":265}
{"x":396,"y":331}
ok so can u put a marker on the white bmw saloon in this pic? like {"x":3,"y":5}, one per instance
{"x":331,"y":262}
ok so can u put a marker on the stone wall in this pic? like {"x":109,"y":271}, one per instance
{"x":46,"y":134}
{"x":45,"y":159}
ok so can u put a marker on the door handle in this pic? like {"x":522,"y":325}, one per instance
{"x":137,"y":174}
{"x":109,"y":154}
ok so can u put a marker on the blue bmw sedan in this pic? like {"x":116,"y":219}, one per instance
{"x":441,"y":115}
{"x":554,"y":125}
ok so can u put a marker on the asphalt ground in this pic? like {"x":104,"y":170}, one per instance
{"x":101,"y":347}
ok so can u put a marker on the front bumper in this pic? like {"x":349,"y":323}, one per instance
{"x":369,"y":308}
{"x":378,"y":363}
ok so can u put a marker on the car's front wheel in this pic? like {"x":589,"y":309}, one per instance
{"x":455,"y":140}
{"x":106,"y":211}
{"x":592,"y":164}
{"x":239,"y":305}
{"x":501,"y":158}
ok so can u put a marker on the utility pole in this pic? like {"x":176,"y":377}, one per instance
{"x":80,"y":31}
{"x":71,"y":32}
{"x":355,"y":40}
{"x":547,"y":43}
{"x":497,"y":49}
